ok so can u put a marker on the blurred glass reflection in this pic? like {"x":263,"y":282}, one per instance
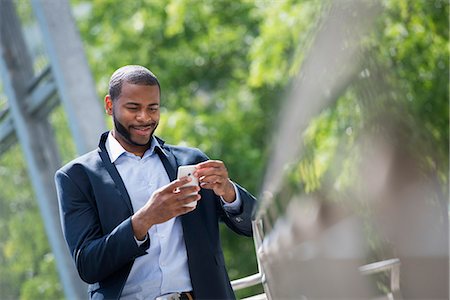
{"x":359,"y":168}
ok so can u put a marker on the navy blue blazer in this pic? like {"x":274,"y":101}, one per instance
{"x":96,"y":218}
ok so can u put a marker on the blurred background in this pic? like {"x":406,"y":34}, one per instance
{"x":334,"y":112}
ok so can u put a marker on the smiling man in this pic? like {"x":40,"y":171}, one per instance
{"x":124,"y":213}
{"x":136,"y":112}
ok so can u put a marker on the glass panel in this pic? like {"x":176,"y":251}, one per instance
{"x":359,"y":173}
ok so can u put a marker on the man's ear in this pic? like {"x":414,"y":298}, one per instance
{"x":108,"y":105}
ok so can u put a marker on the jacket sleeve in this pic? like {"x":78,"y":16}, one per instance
{"x":97,"y":255}
{"x":240,"y":222}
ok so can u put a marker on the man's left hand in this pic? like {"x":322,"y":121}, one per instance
{"x":213,"y":174}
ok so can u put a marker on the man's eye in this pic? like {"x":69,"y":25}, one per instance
{"x":132,"y":108}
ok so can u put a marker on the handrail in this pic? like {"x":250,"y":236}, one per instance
{"x":258,"y":278}
{"x":246,"y":282}
{"x":392,"y":265}
{"x":379,"y":266}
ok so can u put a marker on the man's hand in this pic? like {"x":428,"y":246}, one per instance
{"x":213,"y":174}
{"x":165,"y":203}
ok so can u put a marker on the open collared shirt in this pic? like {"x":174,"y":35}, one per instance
{"x":164,"y":269}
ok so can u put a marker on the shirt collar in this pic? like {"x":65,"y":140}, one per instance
{"x":115,"y":149}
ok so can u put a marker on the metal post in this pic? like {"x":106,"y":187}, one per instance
{"x":36,"y":138}
{"x":71,"y":72}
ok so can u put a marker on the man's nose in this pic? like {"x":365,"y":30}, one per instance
{"x":143,"y":116}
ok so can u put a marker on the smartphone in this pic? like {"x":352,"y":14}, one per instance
{"x":188,"y":171}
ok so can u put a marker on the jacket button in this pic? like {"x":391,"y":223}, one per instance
{"x":238,"y":219}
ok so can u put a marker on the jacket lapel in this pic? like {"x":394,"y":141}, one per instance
{"x":112,"y":170}
{"x":168,"y":159}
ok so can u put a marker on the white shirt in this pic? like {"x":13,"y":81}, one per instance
{"x":164,"y":269}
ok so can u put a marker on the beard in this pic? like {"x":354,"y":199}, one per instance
{"x":127,"y":135}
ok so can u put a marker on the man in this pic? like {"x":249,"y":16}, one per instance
{"x":124,"y":213}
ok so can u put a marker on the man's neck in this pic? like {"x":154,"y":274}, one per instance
{"x":137,"y":150}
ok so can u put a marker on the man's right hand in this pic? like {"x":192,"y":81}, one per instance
{"x":165,"y":203}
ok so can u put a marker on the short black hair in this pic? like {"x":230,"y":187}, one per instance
{"x":133,"y":74}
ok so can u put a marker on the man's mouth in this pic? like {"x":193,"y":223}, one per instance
{"x":142,"y":130}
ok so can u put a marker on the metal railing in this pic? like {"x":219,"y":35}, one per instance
{"x":246,"y":282}
{"x":391,"y":265}
{"x":258,"y":278}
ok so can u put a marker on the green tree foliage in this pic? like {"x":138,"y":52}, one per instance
{"x":406,"y":59}
{"x":27,"y":264}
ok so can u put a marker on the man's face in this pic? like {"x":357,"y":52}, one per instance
{"x":135,"y":114}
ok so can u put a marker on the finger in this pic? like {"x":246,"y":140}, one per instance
{"x":221,"y":170}
{"x":177,"y":183}
{"x":183,"y":203}
{"x":212,"y":179}
{"x":182,"y":199}
{"x":186,"y":190}
{"x":189,"y":199}
{"x":210,"y":164}
{"x":185,"y":209}
{"x":208,"y":186}
{"x":179,"y":194}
